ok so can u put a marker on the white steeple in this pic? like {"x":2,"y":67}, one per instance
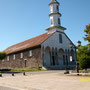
{"x":55,"y":16}
{"x":54,"y":13}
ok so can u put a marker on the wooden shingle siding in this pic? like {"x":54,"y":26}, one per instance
{"x":32,"y":61}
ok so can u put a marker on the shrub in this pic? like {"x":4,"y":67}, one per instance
{"x":2,"y":55}
{"x":83,"y":56}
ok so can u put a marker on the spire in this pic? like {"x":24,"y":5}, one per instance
{"x":54,"y":13}
{"x":55,"y":17}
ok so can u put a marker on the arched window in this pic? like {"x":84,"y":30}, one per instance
{"x":57,"y":8}
{"x":51,"y":21}
{"x":51,"y":8}
{"x":59,"y":21}
{"x":60,"y":38}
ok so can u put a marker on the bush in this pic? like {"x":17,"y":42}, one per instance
{"x":2,"y":55}
{"x":83,"y":56}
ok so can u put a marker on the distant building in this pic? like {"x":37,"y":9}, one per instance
{"x":50,"y":50}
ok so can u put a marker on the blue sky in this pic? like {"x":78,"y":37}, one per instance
{"x":24,"y":19}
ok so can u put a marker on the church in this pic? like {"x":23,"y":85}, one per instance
{"x":50,"y":50}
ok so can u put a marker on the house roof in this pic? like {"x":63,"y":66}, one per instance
{"x":59,"y":27}
{"x":38,"y":40}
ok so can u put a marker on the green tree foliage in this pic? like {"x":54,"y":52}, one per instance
{"x":87,"y":35}
{"x":83,"y":55}
{"x":2,"y":55}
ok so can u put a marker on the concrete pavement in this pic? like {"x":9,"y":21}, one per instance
{"x":47,"y":80}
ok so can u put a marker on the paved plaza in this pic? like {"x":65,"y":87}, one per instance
{"x":45,"y":80}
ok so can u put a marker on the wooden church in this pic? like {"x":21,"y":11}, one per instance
{"x":50,"y":50}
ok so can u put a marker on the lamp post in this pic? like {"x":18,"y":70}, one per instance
{"x":77,"y":63}
{"x":78,"y":45}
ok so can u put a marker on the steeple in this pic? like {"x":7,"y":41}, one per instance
{"x":55,"y":16}
{"x":54,"y":13}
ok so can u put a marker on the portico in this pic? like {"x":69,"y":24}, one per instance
{"x":60,"y":58}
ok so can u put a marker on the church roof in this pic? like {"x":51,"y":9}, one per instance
{"x":38,"y":40}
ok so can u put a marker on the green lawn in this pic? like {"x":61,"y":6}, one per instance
{"x":27,"y":69}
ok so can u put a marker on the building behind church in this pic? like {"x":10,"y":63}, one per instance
{"x":50,"y":50}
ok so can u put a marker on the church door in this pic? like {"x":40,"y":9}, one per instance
{"x":53,"y":60}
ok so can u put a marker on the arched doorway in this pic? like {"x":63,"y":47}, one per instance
{"x":56,"y":56}
{"x":47,"y":56}
{"x":61,"y":57}
{"x":53,"y":57}
{"x":66,"y":61}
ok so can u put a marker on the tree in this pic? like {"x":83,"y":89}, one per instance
{"x":83,"y":55}
{"x":87,"y":35}
{"x":2,"y":55}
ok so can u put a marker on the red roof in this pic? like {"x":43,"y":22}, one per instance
{"x":38,"y":40}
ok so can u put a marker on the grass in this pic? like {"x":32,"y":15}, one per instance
{"x":82,"y":71}
{"x":27,"y":69}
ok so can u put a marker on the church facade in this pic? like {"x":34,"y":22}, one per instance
{"x":50,"y":50}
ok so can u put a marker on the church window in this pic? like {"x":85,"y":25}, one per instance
{"x":21,"y":55}
{"x":51,"y":8}
{"x":59,"y":21}
{"x":51,"y":21}
{"x":30,"y":53}
{"x":8,"y":58}
{"x":60,"y":38}
{"x":14,"y":57}
{"x":57,"y":8}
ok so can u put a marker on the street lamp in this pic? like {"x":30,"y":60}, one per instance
{"x":67,"y":69}
{"x":78,"y":45}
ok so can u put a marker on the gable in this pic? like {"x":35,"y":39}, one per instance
{"x":53,"y":41}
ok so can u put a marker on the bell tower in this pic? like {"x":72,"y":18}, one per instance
{"x":55,"y":22}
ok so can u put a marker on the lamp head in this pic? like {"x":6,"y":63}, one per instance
{"x":78,"y":44}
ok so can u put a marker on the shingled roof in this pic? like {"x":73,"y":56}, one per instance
{"x":38,"y":40}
